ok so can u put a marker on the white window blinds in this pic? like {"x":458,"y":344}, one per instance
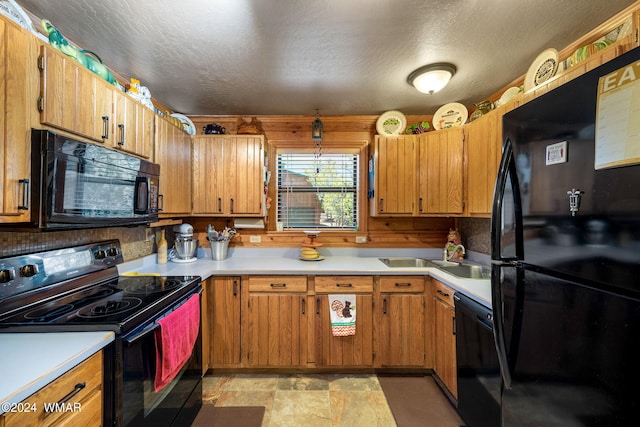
{"x":317,"y":191}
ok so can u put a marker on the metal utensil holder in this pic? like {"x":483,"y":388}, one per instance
{"x":219,"y":249}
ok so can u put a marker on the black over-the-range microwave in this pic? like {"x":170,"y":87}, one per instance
{"x":75,"y":184}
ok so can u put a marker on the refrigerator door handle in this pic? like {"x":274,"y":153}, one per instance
{"x":498,"y":323}
{"x":506,"y":173}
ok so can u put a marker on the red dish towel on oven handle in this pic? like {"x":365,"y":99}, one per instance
{"x":175,"y":339}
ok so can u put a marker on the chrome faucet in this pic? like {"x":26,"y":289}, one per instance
{"x":448,"y":257}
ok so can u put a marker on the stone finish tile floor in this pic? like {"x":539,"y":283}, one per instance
{"x":316,"y":400}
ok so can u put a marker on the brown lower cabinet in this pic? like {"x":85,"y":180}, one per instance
{"x":84,"y":408}
{"x":284,"y":321}
{"x":401,"y":312}
{"x":275,"y":332}
{"x":355,"y":350}
{"x":221,"y":321}
{"x":444,"y":336}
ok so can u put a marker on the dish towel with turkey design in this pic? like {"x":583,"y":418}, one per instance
{"x":342,"y":308}
{"x":175,"y":340}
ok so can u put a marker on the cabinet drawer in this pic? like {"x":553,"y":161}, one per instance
{"x":87,"y":400}
{"x":343,"y":284}
{"x":278,"y":284}
{"x":402,"y":284}
{"x":443,"y":292}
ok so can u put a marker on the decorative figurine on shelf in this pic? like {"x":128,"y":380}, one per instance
{"x":88,"y":59}
{"x":453,"y":250}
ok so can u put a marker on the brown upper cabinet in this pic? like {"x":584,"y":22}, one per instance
{"x":173,"y":154}
{"x":394,"y":172}
{"x":18,"y":54}
{"x":134,"y":125}
{"x":440,"y":173}
{"x":418,"y":174}
{"x":228,"y":175}
{"x":75,"y":100}
{"x":483,"y":146}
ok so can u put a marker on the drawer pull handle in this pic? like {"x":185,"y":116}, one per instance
{"x":446,"y":294}
{"x":304,"y":306}
{"x":384,"y":306}
{"x":278,"y":285}
{"x":344,"y":285}
{"x":73,"y":392}
{"x":317,"y":306}
{"x":403,"y":284}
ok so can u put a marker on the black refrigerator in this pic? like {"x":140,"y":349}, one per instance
{"x":565,"y":248}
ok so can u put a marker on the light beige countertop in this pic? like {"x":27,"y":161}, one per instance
{"x":337,"y":261}
{"x":30,"y":361}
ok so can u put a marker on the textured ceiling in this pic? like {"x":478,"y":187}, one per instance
{"x":342,"y":57}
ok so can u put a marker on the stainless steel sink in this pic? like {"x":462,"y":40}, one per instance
{"x":406,"y":262}
{"x":467,"y":271}
{"x":441,"y":263}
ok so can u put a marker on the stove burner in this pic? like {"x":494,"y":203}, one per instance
{"x":102,"y":293}
{"x":109,"y":308}
{"x":161,"y":284}
{"x":48,"y":313}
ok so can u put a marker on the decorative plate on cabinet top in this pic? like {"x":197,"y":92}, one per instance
{"x":450,"y":115}
{"x":187,"y":124}
{"x":391,"y":123}
{"x":13,"y":11}
{"x":542,"y":69}
{"x":508,"y":95}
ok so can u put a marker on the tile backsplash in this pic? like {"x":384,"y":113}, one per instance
{"x":476,"y":234}
{"x":133,"y":240}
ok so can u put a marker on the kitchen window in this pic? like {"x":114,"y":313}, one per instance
{"x":318,"y":190}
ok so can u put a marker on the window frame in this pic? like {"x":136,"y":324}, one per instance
{"x":348,"y":146}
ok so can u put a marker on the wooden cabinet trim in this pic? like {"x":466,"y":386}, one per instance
{"x":343,"y":284}
{"x":404,"y":284}
{"x":443,"y":292}
{"x":278,"y":284}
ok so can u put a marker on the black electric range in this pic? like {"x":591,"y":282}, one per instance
{"x":78,"y":289}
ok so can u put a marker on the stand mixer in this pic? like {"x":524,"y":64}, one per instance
{"x":185,"y":247}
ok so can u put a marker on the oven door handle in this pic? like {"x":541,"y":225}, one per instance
{"x":155,"y":325}
{"x":146,"y":331}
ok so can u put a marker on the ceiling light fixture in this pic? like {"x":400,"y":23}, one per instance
{"x":431,"y":78}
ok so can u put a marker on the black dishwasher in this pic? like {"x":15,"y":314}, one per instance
{"x":478,"y":371}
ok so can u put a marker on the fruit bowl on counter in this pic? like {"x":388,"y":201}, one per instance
{"x":308,"y":250}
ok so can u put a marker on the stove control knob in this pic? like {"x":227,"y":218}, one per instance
{"x":7,"y":275}
{"x":100,"y":254}
{"x":28,"y":270}
{"x":112,"y":252}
